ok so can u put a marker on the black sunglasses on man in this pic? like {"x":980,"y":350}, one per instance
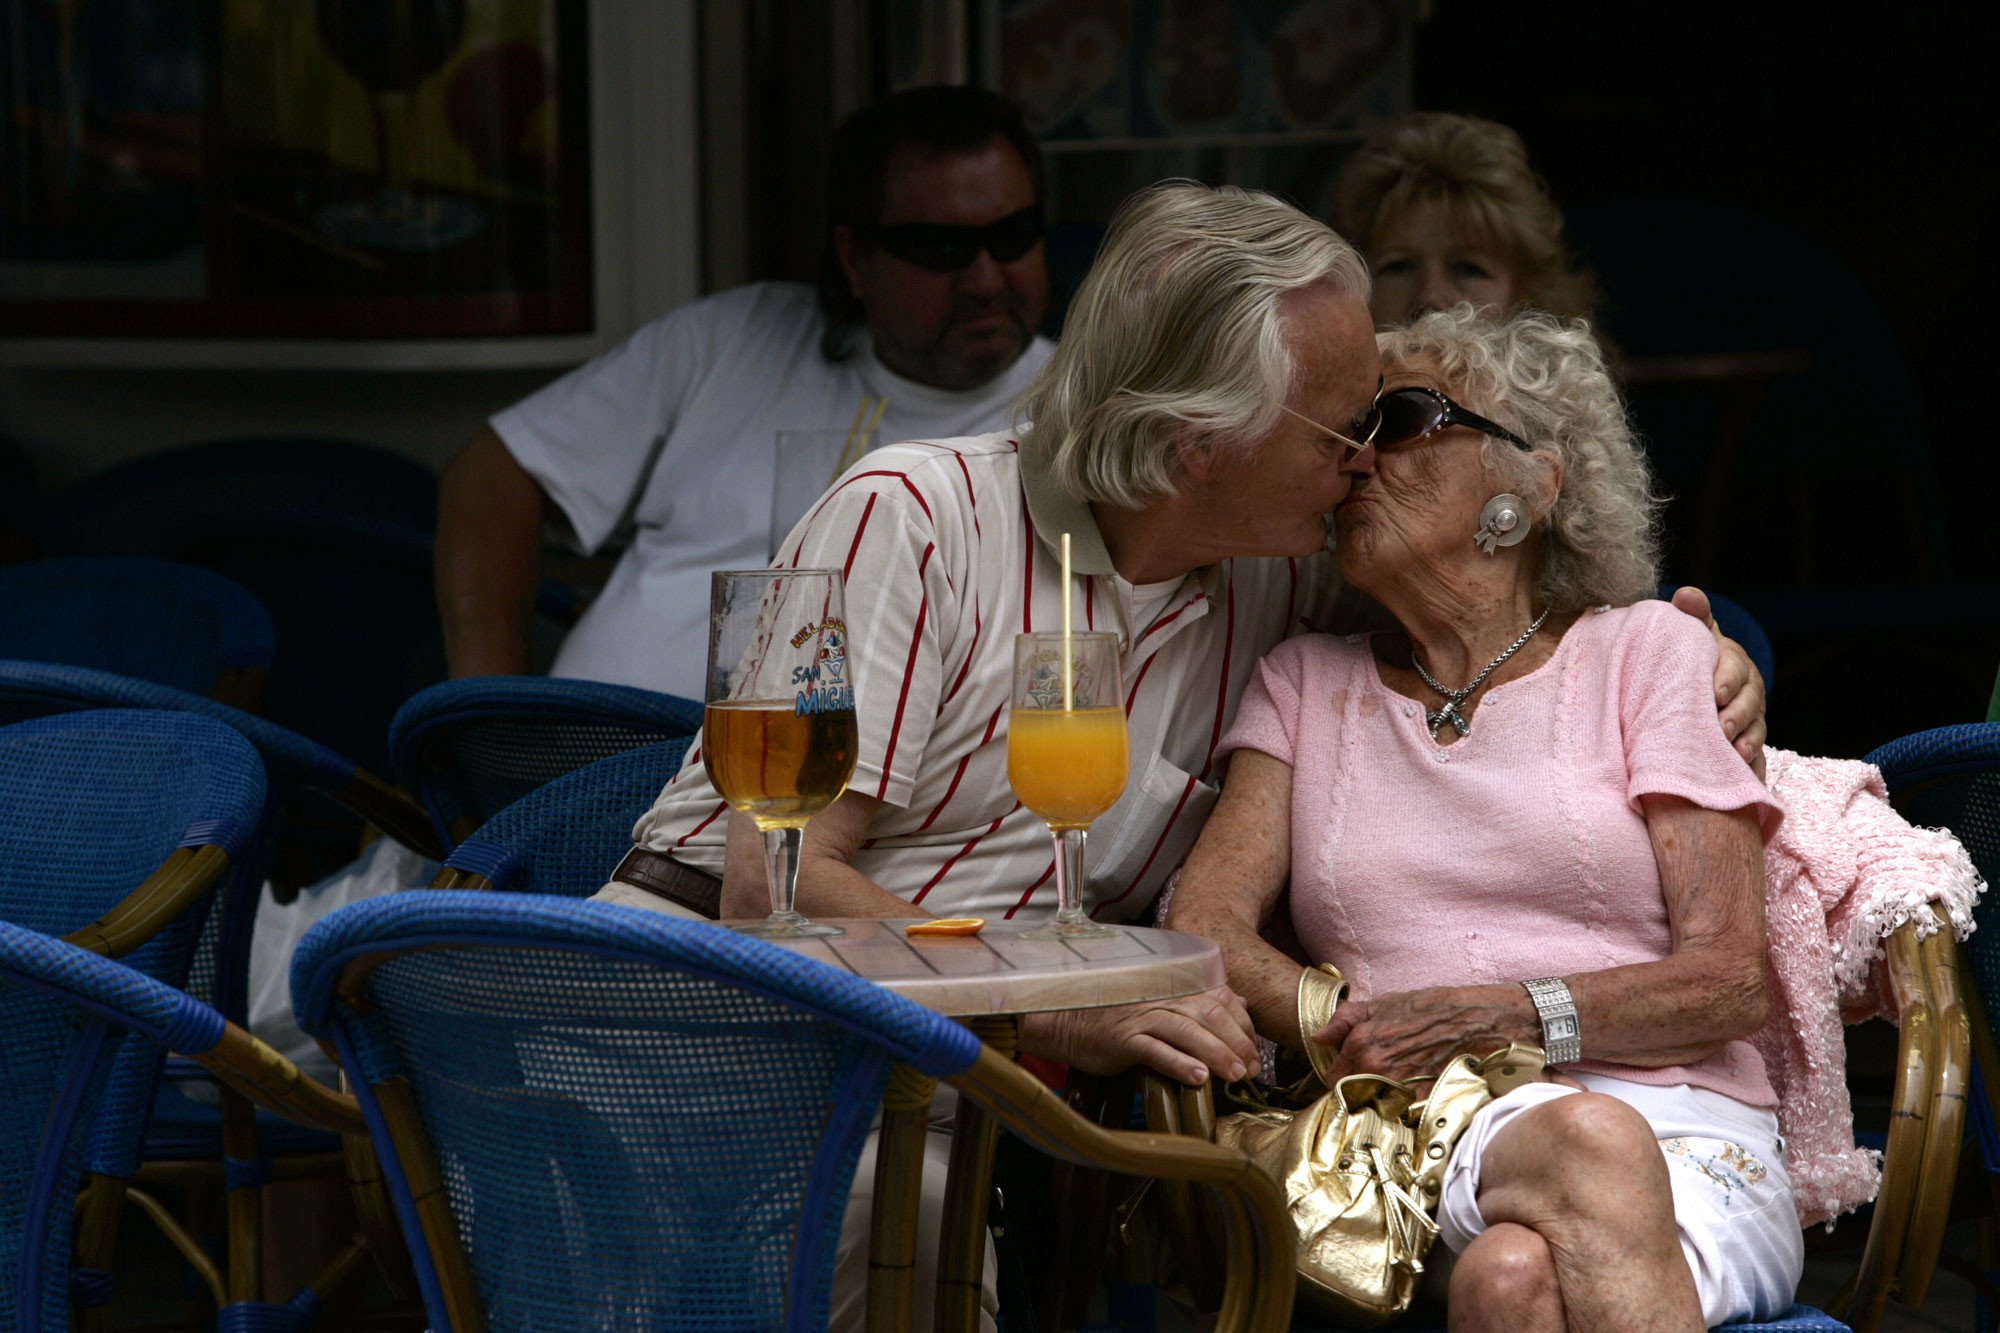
{"x":944,"y":247}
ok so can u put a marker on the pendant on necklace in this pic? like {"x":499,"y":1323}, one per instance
{"x":1449,"y":713}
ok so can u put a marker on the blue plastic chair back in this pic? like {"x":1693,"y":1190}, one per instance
{"x":473,"y":747}
{"x":567,"y":837}
{"x":90,"y":805}
{"x":67,"y":1010}
{"x":169,"y":623}
{"x":640,"y":1120}
{"x":333,"y":537}
{"x":291,"y":762}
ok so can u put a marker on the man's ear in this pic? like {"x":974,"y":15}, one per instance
{"x":847,"y":249}
{"x":1195,"y":455}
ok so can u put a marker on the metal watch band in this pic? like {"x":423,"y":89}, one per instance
{"x":1562,"y":1034}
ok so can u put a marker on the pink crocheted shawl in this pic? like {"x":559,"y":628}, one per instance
{"x":1842,"y":872}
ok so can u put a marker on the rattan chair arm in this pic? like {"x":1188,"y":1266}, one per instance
{"x":1174,"y":1108}
{"x":451,"y":877}
{"x":1259,"y":1236}
{"x":1950,"y":1083}
{"x":390,"y":810}
{"x":182,"y":879}
{"x":271,"y":1081}
{"x":1862,"y":1300}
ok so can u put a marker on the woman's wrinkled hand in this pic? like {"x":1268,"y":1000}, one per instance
{"x":1414,"y":1034}
{"x":1186,"y":1038}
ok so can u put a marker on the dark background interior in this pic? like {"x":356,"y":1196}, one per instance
{"x":1865,"y":131}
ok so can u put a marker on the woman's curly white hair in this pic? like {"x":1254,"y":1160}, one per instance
{"x":1544,"y":379}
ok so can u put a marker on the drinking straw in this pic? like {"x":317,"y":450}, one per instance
{"x":1069,"y":701}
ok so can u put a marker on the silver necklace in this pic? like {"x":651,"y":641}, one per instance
{"x":1453,"y":698}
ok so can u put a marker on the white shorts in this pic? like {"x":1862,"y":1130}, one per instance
{"x":1732,"y":1196}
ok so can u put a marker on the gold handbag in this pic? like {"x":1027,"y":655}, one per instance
{"x":1362,"y":1167}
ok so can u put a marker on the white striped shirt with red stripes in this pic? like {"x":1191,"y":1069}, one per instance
{"x":949,"y":549}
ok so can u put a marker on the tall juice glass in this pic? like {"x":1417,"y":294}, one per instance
{"x":1067,"y":755}
{"x":778,"y":733}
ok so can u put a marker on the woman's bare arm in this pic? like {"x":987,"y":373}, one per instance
{"x":1705,"y":993}
{"x":1232,"y":882}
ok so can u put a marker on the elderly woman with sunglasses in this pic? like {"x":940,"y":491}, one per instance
{"x":1513,"y":818}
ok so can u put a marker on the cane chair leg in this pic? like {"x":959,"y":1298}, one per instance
{"x":377,"y":1217}
{"x":1944,"y":1136}
{"x":893,"y":1230}
{"x":101,"y":1204}
{"x":1173,"y":1109}
{"x":967,"y":1191}
{"x":178,"y":1236}
{"x":244,"y":1201}
{"x":1862,"y":1300}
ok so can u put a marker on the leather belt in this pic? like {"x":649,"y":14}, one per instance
{"x":676,"y":881}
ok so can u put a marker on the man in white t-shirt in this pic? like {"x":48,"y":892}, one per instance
{"x":930,"y":293}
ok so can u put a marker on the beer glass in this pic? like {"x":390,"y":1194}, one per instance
{"x":1067,"y":754}
{"x":778,"y":735}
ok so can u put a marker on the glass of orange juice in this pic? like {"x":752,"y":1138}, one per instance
{"x":1067,"y":755}
{"x":778,"y":735}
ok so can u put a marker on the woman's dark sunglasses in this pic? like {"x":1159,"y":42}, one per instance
{"x":1413,"y":413}
{"x":944,"y":248}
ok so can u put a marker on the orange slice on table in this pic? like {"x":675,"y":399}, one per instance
{"x":949,"y":925}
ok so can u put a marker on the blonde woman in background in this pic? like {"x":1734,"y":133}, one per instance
{"x":1447,"y":209}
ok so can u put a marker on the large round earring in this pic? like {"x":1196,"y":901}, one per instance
{"x":1503,"y":522}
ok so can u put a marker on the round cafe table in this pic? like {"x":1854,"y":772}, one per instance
{"x":989,"y":979}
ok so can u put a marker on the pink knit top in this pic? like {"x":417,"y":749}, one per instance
{"x":1520,"y":850}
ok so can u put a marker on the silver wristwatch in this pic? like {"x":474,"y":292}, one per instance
{"x":1562,"y":1038}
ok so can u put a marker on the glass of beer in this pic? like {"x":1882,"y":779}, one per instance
{"x":778,"y":735}
{"x":1066,"y":753}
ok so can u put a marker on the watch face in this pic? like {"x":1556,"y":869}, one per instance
{"x":1561,"y":1027}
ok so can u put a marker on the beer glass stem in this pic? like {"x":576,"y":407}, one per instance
{"x":781,"y":872}
{"x":1069,"y":877}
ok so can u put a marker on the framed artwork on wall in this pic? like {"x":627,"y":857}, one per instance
{"x":296,"y":169}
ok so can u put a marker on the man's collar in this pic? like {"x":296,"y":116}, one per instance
{"x":1054,"y":511}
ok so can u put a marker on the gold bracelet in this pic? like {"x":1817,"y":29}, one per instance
{"x":1320,"y":990}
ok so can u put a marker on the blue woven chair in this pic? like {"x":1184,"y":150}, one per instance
{"x":67,"y":1012}
{"x":115,"y":828}
{"x":473,"y":747}
{"x":565,"y":838}
{"x":173,"y":624}
{"x":185,"y":1132}
{"x":589,"y":1114}
{"x":1950,"y":778}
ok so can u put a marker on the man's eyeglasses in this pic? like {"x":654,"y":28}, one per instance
{"x":1366,"y":426}
{"x":1413,"y":413}
{"x":943,"y":247}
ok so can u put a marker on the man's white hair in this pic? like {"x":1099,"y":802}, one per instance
{"x":1178,"y":336}
{"x":1544,"y":379}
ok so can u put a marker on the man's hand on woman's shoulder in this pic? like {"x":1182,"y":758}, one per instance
{"x":1739,"y":689}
